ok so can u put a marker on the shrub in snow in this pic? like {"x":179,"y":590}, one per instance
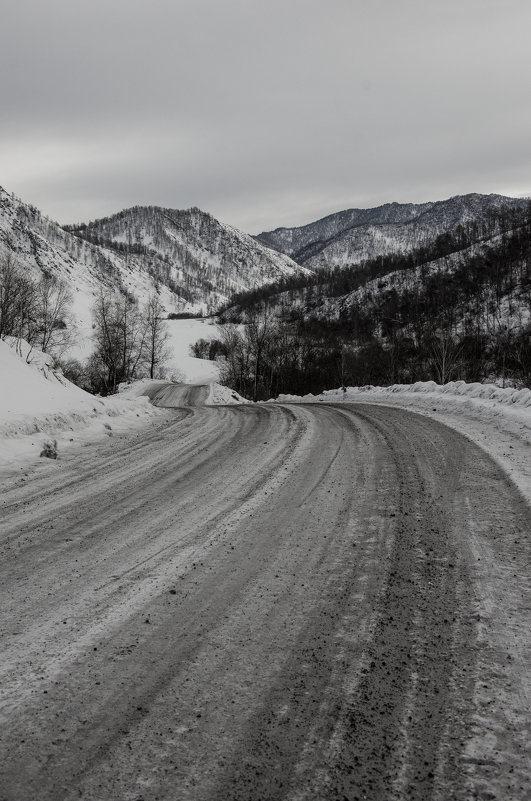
{"x":49,"y":449}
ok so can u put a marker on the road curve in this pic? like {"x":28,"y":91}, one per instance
{"x":266,"y":602}
{"x":173,"y":396}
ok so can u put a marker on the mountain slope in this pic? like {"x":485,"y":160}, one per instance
{"x":193,"y":261}
{"x":354,"y":235}
{"x":459,"y":307}
{"x":200,"y":259}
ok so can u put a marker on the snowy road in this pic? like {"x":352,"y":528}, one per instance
{"x":266,"y":602}
{"x":170,"y":396}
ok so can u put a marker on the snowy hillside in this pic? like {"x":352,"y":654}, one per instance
{"x":352,"y":236}
{"x":201,"y":260}
{"x":485,"y":309}
{"x":181,"y":365}
{"x":192,"y":260}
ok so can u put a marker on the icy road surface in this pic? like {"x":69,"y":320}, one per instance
{"x":170,"y":396}
{"x":266,"y":602}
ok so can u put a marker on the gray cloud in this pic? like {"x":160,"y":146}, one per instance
{"x":263,"y":112}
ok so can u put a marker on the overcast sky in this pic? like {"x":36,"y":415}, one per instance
{"x":262,"y":112}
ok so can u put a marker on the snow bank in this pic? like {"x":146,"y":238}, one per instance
{"x":498,"y":420}
{"x":37,"y":403}
{"x":223,"y":396}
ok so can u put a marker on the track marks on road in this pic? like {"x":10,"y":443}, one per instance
{"x":265,"y":602}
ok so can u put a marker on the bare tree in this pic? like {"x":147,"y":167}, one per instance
{"x":53,"y":319}
{"x":129,"y":342}
{"x":133,"y":331}
{"x":119,"y":336}
{"x":445,"y":354}
{"x":37,"y":311}
{"x":17,"y":300}
{"x":157,"y":336}
{"x":234,"y":367}
{"x":261,"y":328}
{"x":106,"y":359}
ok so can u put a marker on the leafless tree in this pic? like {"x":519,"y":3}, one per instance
{"x":261,"y":328}
{"x":53,"y":326}
{"x":17,"y":300}
{"x":157,"y":336}
{"x":234,"y":367}
{"x":445,"y":354}
{"x":130,"y":342}
{"x":119,"y":336}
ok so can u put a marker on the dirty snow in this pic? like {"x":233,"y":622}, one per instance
{"x":38,"y":404}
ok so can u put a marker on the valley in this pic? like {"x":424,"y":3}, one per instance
{"x":326,"y":596}
{"x":265,"y":401}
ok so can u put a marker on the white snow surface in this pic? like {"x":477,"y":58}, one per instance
{"x":498,"y":420}
{"x":223,"y":396}
{"x":181,"y":365}
{"x":38,"y":405}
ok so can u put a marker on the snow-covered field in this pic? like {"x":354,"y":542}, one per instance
{"x":183,"y":366}
{"x":498,"y":420}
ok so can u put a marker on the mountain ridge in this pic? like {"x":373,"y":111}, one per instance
{"x":353,"y":235}
{"x":189,"y":249}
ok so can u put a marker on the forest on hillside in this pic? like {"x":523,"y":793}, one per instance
{"x":459,"y":308}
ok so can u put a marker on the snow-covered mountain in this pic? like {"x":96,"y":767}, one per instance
{"x":403,"y":316}
{"x":194,"y":261}
{"x":202,"y":261}
{"x":197,"y":263}
{"x":351,"y":236}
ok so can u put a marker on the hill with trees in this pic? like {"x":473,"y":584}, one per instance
{"x":355,"y":235}
{"x":192,"y":261}
{"x":458,"y":307}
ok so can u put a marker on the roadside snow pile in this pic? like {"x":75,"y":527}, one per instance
{"x":223,"y":396}
{"x":36,"y":400}
{"x":498,"y":420}
{"x":489,"y":392}
{"x":137,"y":388}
